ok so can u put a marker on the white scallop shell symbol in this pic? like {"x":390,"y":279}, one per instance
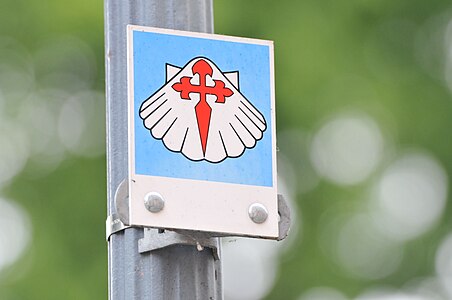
{"x":235,"y":125}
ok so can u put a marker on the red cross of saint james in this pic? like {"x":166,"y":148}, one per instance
{"x":202,"y":109}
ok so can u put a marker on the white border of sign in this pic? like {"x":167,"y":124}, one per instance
{"x":225,"y":208}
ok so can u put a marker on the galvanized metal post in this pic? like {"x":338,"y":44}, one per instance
{"x":178,"y":271}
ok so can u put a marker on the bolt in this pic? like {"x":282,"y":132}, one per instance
{"x":154,"y":202}
{"x":258,"y":213}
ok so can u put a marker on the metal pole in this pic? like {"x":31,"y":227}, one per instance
{"x":178,"y":271}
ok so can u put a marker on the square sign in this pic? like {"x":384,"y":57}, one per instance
{"x":202,"y":146}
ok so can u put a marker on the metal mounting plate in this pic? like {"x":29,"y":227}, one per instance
{"x":119,"y":221}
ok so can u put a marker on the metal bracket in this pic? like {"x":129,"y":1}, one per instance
{"x":120,"y":220}
{"x":113,"y":225}
{"x":158,"y":238}
{"x":155,"y":239}
{"x":284,"y":218}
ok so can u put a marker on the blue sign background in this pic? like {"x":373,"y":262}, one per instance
{"x":151,"y":53}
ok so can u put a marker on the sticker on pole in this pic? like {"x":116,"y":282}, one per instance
{"x":202,"y":152}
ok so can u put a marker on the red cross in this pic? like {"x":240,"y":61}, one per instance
{"x":202,"y":109}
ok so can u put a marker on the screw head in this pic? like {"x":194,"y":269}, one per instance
{"x":154,"y":202}
{"x":258,"y":213}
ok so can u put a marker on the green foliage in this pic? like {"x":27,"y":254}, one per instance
{"x":380,"y":58}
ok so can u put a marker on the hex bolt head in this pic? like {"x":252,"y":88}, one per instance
{"x":258,"y":213}
{"x":154,"y":202}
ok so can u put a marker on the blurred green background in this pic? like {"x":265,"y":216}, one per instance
{"x":364,"y":121}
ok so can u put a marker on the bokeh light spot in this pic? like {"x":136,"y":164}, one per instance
{"x":365,"y":253}
{"x":249,"y":268}
{"x":81,"y":124}
{"x":347,"y":148}
{"x":13,"y":151}
{"x":15,"y":232}
{"x":443,"y":264}
{"x":410,"y":196}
